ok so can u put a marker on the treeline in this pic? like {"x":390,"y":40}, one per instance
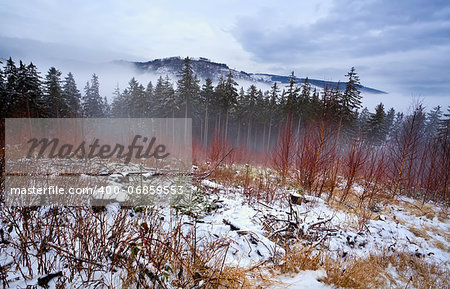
{"x":244,"y":117}
{"x":311,"y":135}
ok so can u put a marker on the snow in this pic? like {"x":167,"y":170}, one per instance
{"x":241,"y":221}
{"x":305,"y":279}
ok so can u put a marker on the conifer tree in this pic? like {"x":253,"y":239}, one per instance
{"x":292,"y":94}
{"x":350,"y":100}
{"x":188,"y":88}
{"x":53,"y":94}
{"x":432,"y":122}
{"x":11,"y":100}
{"x":136,"y":96}
{"x":305,"y":109}
{"x":119,"y":105}
{"x":92,"y":101}
{"x":29,"y":98}
{"x":3,"y":104}
{"x":389,"y":121}
{"x":72,"y":96}
{"x":166,"y":104}
{"x":206,"y":97}
{"x":228,"y":99}
{"x":376,"y":125}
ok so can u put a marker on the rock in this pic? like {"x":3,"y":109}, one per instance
{"x":296,"y":198}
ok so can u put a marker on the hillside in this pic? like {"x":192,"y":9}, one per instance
{"x":205,"y":68}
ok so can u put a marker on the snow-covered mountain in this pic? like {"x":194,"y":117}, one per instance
{"x":205,"y":68}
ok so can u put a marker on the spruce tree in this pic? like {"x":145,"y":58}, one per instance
{"x":229,"y":99}
{"x":72,"y":96}
{"x":3,"y":104}
{"x":149,"y":94}
{"x":140,"y":104}
{"x":389,"y":121}
{"x":376,"y":125}
{"x":166,"y":104}
{"x":206,"y":97}
{"x":53,"y":94}
{"x":92,"y":101}
{"x":119,"y":106}
{"x":29,"y":100}
{"x":305,"y":108}
{"x":292,"y":94}
{"x":188,"y":88}
{"x":350,"y":100}
{"x":432,"y":122}
{"x":11,"y":101}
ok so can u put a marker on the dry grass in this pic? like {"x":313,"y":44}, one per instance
{"x":299,"y":260}
{"x":356,"y":273}
{"x":385,"y":271}
{"x":419,"y":232}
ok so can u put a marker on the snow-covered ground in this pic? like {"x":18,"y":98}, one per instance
{"x":252,"y":228}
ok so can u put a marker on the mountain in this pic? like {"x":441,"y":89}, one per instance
{"x":205,"y":68}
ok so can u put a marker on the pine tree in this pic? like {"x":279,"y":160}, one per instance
{"x":376,"y":125}
{"x":72,"y":96}
{"x":363,"y":119}
{"x":188,"y":88}
{"x":11,"y":100}
{"x":444,"y":127}
{"x":29,"y":98}
{"x":206,"y":97}
{"x":229,"y":99}
{"x":432,"y":123}
{"x":304,"y":104}
{"x":140,"y":104}
{"x":106,"y":108}
{"x":292,"y":94}
{"x":350,"y":100}
{"x":92,"y":101}
{"x":119,"y":106}
{"x":166,"y":104}
{"x":249,"y":110}
{"x":3,"y":104}
{"x":273,"y":111}
{"x":149,"y":94}
{"x":389,"y":121}
{"x":53,"y":94}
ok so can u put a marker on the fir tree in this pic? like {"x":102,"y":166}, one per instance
{"x":376,"y":125}
{"x":389,"y":121}
{"x":140,"y":104}
{"x":292,"y":94}
{"x":119,"y":106}
{"x":363,"y":119}
{"x":29,"y":100}
{"x":166,"y":104}
{"x":92,"y":101}
{"x":188,"y":88}
{"x":228,"y":99}
{"x":350,"y":100}
{"x":53,"y":94}
{"x":206,"y":97}
{"x":432,"y":123}
{"x":3,"y":104}
{"x":72,"y":96}
{"x":304,"y":104}
{"x":11,"y":100}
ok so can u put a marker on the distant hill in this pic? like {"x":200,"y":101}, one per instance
{"x":205,"y":68}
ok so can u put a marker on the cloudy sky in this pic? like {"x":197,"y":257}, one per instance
{"x":401,"y":46}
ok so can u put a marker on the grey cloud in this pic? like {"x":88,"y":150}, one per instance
{"x":407,"y":39}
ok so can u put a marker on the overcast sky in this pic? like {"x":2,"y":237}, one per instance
{"x":400,"y":46}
